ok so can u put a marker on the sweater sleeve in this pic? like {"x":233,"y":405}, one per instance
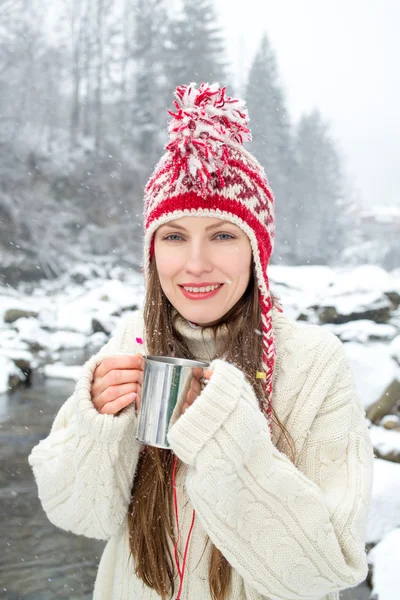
{"x":291,"y":531}
{"x":84,"y":469}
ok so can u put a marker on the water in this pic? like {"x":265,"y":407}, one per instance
{"x":37,"y":560}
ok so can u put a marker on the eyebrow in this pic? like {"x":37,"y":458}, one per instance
{"x":176,"y":226}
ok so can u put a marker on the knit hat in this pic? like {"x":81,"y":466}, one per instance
{"x":207,"y":172}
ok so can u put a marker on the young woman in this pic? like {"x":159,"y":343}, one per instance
{"x":266,"y":488}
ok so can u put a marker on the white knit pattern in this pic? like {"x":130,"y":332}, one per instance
{"x":290,"y":532}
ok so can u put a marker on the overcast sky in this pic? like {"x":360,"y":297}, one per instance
{"x":343,"y":57}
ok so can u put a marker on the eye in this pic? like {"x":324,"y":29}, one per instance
{"x":224,"y":236}
{"x":173,"y":237}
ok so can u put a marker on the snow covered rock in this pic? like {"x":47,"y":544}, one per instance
{"x":363,"y":331}
{"x":30,"y":332}
{"x":373,"y":306}
{"x":386,"y":443}
{"x":12,"y":314}
{"x":391,"y":422}
{"x":10,"y":375}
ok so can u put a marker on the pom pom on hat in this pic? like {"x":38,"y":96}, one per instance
{"x":206,"y":121}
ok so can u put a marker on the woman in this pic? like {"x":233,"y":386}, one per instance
{"x":266,"y":491}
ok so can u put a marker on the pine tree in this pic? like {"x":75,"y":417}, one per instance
{"x":320,"y":232}
{"x":195,"y":51}
{"x":150,"y":103}
{"x":272,"y":141}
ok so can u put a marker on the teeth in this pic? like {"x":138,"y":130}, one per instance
{"x":209,"y":288}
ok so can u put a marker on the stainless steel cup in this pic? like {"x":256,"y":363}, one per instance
{"x":166,"y":381}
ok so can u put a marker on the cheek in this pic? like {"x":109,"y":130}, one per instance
{"x":240,"y":264}
{"x":167,"y":263}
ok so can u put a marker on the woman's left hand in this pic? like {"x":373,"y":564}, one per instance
{"x":196,"y":386}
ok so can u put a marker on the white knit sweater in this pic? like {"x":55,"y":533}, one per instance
{"x":290,"y":532}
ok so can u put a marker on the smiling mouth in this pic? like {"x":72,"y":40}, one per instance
{"x":202,"y":289}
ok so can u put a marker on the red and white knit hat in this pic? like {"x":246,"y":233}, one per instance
{"x":207,"y":172}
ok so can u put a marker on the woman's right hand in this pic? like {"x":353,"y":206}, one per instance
{"x":117,"y":383}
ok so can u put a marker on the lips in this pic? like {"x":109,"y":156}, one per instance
{"x":202,"y":288}
{"x":200,"y":292}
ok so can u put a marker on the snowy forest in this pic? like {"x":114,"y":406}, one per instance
{"x":83,"y":96}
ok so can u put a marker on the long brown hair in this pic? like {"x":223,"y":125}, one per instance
{"x":151,"y":516}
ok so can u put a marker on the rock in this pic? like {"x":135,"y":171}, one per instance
{"x":394,"y":298}
{"x":385,"y":404}
{"x":13,"y":314}
{"x":327,"y":314}
{"x":353,"y":306}
{"x":302,"y":317}
{"x":98,"y":326}
{"x":378,"y":314}
{"x":391,"y":422}
{"x":25,"y":367}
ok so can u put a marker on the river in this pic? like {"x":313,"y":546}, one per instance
{"x":38,"y":560}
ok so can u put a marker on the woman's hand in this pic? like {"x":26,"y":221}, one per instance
{"x":199,"y":380}
{"x":117,"y":383}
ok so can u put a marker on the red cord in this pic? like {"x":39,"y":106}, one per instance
{"x":181,"y":573}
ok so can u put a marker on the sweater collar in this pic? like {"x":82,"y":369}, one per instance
{"x":200,"y":340}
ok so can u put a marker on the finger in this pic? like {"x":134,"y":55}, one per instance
{"x":191,"y":396}
{"x":207,"y":374}
{"x":185,"y":407}
{"x":195,"y":385}
{"x":113,"y":392}
{"x":122,"y":361}
{"x":197,"y":372}
{"x":113,"y":408}
{"x":115,"y":377}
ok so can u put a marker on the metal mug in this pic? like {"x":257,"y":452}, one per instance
{"x":166,"y":381}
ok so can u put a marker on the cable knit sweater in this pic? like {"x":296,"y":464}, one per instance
{"x":290,"y":531}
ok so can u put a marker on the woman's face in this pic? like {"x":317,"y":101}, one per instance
{"x":204,"y":266}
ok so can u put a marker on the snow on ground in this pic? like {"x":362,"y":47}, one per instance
{"x":364,"y":279}
{"x":61,"y":371}
{"x":386,"y":441}
{"x":384,"y":514}
{"x":384,"y":559}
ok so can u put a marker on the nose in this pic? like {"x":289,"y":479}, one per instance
{"x":198,"y":259}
